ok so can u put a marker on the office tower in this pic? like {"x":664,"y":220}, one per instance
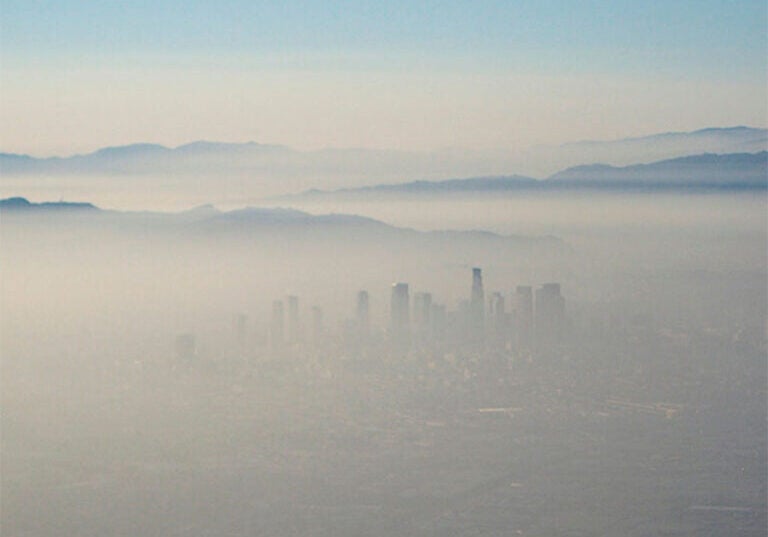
{"x":523,"y":317}
{"x":478,"y":295}
{"x":496,"y":306}
{"x":422,"y":311}
{"x":477,"y":308}
{"x":497,"y":309}
{"x":549,"y":314}
{"x":400,"y":315}
{"x":362,"y":316}
{"x":276,"y":331}
{"x":317,"y":325}
{"x":294,"y":330}
{"x":438,"y":323}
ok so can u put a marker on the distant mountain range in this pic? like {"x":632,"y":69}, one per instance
{"x":708,"y":171}
{"x":274,"y":169}
{"x":277,"y":169}
{"x":272,"y":224}
{"x":142,"y":158}
{"x":662,"y":146}
{"x":470,"y":184}
{"x":22,"y":204}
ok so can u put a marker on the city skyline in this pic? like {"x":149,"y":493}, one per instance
{"x":418,"y":320}
{"x":384,"y":268}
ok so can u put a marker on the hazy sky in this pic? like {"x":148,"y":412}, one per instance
{"x":483,"y":75}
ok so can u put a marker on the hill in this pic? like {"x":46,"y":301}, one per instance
{"x":274,"y":225}
{"x":278,"y":169}
{"x":656,"y":147}
{"x":707,"y":171}
{"x":737,"y":170}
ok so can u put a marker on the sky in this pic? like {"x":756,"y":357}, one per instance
{"x":483,"y":76}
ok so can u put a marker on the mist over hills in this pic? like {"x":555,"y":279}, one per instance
{"x":655,"y":147}
{"x":729,"y":170}
{"x":708,"y":171}
{"x":210,"y":259}
{"x":470,"y":184}
{"x":273,"y":224}
{"x":278,"y":169}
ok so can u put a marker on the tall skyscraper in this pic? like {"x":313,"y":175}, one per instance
{"x":500,"y":326}
{"x":497,"y":306}
{"x":478,"y":295}
{"x":400,"y":324}
{"x":549,"y":314}
{"x":294,"y":329}
{"x":523,"y":317}
{"x":438,"y":323}
{"x":477,"y":308}
{"x":277,"y":326}
{"x":422,"y":312}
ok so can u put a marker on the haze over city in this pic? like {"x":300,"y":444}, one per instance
{"x":384,"y":268}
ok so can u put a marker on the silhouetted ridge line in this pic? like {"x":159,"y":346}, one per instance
{"x":277,"y":223}
{"x":708,"y":170}
{"x":23,"y":204}
{"x":733,"y":169}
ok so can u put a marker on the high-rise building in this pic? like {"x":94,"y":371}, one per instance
{"x":422,"y":312}
{"x":276,"y":329}
{"x":523,"y":317}
{"x":294,"y":329}
{"x":549,"y":314}
{"x":498,"y":312}
{"x":362,"y":314}
{"x":400,"y":324}
{"x":477,"y":308}
{"x":497,"y":306}
{"x":438,"y":323}
{"x":478,"y":295}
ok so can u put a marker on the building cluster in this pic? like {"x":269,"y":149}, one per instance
{"x":523,"y":323}
{"x":520,"y":322}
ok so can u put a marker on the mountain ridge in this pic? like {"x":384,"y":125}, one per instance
{"x":205,"y":156}
{"x":708,"y":170}
{"x":707,"y":131}
{"x":207,"y":219}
